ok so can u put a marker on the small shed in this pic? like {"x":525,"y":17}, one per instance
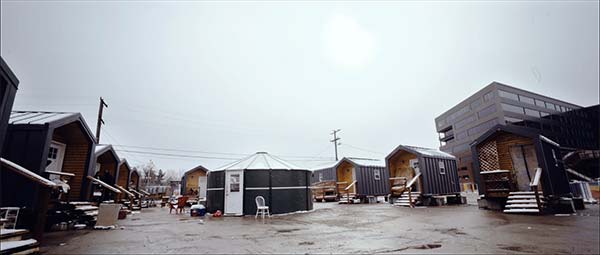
{"x":355,"y":177}
{"x":194,"y":182}
{"x":507,"y":160}
{"x":44,"y":142}
{"x":8,"y":89}
{"x":433,"y":173}
{"x":234,"y":187}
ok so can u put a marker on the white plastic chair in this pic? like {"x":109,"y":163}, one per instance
{"x":261,"y":207}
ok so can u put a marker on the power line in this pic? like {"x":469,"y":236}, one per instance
{"x":177,"y":150}
{"x":176,"y":155}
{"x":362,"y":149}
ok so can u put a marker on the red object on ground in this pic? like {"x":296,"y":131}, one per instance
{"x":122,"y":214}
{"x":217,"y":213}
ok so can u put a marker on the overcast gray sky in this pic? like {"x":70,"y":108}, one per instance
{"x":238,"y":77}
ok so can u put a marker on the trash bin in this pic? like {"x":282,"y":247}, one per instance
{"x":197,"y":210}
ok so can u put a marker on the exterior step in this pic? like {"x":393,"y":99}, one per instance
{"x":86,"y":208}
{"x":522,"y":201}
{"x":29,"y":246}
{"x":522,"y":211}
{"x":523,"y":197}
{"x":80,"y":203}
{"x":522,"y":193}
{"x":511,"y":206}
{"x":12,"y":234}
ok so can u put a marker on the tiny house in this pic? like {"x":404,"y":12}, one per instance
{"x":106,"y":167}
{"x":194,"y":182}
{"x":233,"y":188}
{"x":46,"y":143}
{"x":356,"y":178}
{"x":520,"y":171}
{"x":123,"y":178}
{"x":428,"y":174}
{"x":52,"y":146}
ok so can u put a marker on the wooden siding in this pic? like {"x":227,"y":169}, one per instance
{"x":191,"y":180}
{"x":123,"y":180}
{"x":76,"y":157}
{"x":108,"y":162}
{"x":344,"y":174}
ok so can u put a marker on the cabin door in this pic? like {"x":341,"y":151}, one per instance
{"x":524,"y":163}
{"x":56,"y":156}
{"x":234,"y":192}
{"x":202,"y":182}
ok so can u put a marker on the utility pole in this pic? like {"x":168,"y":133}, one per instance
{"x":100,"y":120}
{"x":335,"y":141}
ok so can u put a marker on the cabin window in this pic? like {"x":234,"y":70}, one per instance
{"x":320,"y":177}
{"x":377,"y":174}
{"x":442,"y":167}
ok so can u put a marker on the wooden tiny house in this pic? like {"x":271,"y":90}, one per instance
{"x":194,"y":182}
{"x":124,"y":174}
{"x":355,"y":178}
{"x":107,"y":161}
{"x":520,"y":171}
{"x":51,"y":142}
{"x":425,"y":174}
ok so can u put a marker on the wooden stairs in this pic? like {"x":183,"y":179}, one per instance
{"x":407,"y":201}
{"x":523,"y":202}
{"x":344,"y":198}
{"x":15,"y":241}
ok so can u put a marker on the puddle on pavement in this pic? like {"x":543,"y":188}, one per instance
{"x":287,"y":230}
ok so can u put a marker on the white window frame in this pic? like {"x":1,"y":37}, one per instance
{"x":320,"y":177}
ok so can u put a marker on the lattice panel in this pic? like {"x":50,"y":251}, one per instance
{"x":488,"y":156}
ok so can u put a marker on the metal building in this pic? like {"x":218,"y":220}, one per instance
{"x":234,"y":187}
{"x":356,"y":177}
{"x":427,"y":172}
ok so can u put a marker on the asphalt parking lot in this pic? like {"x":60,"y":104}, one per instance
{"x":336,"y":228}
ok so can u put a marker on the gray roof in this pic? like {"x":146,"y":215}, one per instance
{"x":365,"y":161}
{"x":260,"y":161}
{"x":52,"y":119}
{"x":352,"y":160}
{"x":102,"y":148}
{"x":426,"y":152}
{"x":39,"y":118}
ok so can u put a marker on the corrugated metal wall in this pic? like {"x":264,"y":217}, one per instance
{"x":215,"y":199}
{"x":367,"y":185}
{"x":435,"y":183}
{"x":328,"y":175}
{"x":283,"y":197}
